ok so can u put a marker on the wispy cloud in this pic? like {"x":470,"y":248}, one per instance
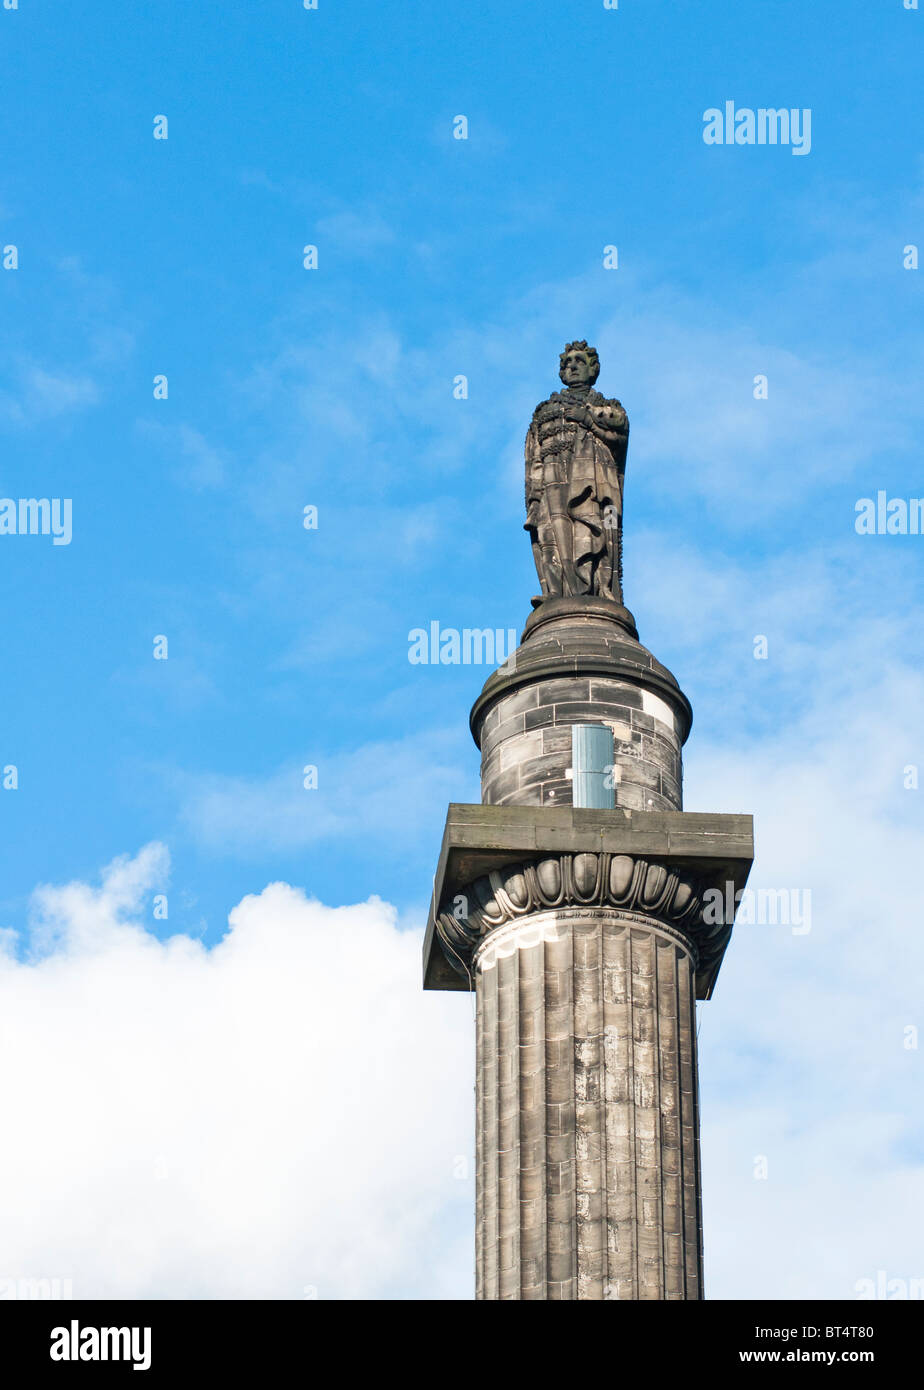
{"x":198,"y":464}
{"x":383,"y":791}
{"x":804,"y":1050}
{"x":360,"y":231}
{"x":41,"y":393}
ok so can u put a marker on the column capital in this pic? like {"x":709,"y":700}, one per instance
{"x":500,"y":863}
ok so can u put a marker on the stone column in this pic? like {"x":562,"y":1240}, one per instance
{"x":587,"y":1125}
{"x":585,"y":937}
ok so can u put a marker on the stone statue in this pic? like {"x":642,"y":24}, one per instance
{"x":575,"y":465}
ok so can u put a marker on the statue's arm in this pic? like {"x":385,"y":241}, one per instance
{"x":611,"y":424}
{"x":533,"y":475}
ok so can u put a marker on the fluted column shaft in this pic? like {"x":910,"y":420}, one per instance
{"x":587,"y":1143}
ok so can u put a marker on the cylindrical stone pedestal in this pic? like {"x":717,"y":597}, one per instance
{"x":587,"y":1117}
{"x":580,"y":662}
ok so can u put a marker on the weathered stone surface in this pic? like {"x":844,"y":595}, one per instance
{"x":575,"y":463}
{"x":700,"y":851}
{"x":587,"y":1183}
{"x":583,"y":932}
{"x":522,"y":721}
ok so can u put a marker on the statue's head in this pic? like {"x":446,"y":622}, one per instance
{"x":579,"y":364}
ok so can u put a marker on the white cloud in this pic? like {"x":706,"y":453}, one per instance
{"x":199,"y":464}
{"x":381,"y":791}
{"x":803,"y":1050}
{"x":41,"y":394}
{"x":696,"y":419}
{"x":284,"y":1110}
{"x":93,"y":334}
{"x":363,"y":232}
{"x":206,"y":464}
{"x":803,"y":1056}
{"x":279,"y":1113}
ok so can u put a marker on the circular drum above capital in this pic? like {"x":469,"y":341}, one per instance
{"x":578,"y":664}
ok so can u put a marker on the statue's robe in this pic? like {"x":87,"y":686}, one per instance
{"x":574,"y":487}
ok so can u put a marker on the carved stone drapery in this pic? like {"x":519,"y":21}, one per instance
{"x":575,"y":462}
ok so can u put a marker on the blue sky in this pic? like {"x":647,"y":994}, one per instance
{"x":333,"y":387}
